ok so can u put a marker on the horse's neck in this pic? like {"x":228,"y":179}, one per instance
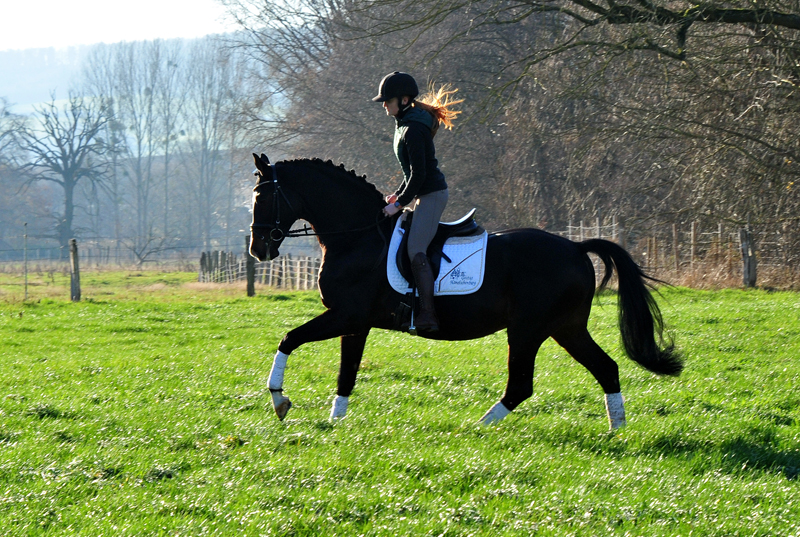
{"x":335,"y":205}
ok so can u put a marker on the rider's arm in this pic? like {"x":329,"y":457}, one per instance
{"x":414,"y":139}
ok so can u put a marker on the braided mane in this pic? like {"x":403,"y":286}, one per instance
{"x":340,"y":170}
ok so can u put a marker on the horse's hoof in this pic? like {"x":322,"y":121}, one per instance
{"x":281,"y":404}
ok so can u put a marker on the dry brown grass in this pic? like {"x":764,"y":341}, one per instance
{"x":118,"y":285}
{"x":715,"y":276}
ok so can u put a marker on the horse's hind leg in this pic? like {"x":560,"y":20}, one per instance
{"x":522,"y":349}
{"x":580,"y":345}
{"x":352,"y":350}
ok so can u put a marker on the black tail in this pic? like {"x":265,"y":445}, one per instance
{"x":639,"y":317}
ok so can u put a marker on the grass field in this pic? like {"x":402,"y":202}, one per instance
{"x":142,"y":410}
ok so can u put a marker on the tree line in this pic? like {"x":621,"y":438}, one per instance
{"x":654,"y":112}
{"x":145,"y":152}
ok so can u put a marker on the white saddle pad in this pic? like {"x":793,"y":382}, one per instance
{"x":461,"y":276}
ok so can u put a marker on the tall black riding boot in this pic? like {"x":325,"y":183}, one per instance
{"x":423,"y":276}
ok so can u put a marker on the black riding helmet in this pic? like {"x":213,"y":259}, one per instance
{"x":396,"y":84}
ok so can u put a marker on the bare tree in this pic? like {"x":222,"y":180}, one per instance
{"x":170,"y":109}
{"x":144,"y":81}
{"x":321,"y":83}
{"x":731,"y":74}
{"x":138,"y":74}
{"x":10,"y":201}
{"x":178,"y":122}
{"x":210,"y":108}
{"x":64,"y":145}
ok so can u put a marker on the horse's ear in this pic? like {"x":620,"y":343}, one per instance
{"x":261,"y":162}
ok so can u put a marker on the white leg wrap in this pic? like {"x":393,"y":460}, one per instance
{"x":615,"y":407}
{"x":276,"y":375}
{"x":495,"y":414}
{"x":339,"y":409}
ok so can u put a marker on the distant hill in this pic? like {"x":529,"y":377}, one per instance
{"x":30,"y":76}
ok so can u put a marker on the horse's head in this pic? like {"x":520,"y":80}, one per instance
{"x":273,"y":214}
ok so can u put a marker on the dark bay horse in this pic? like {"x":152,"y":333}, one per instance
{"x":537,"y":285}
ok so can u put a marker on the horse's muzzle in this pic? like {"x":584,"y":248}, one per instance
{"x":264,"y":250}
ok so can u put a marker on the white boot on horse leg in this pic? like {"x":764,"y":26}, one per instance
{"x":339,"y":408}
{"x":615,"y":407}
{"x":495,"y":414}
{"x":280,"y":402}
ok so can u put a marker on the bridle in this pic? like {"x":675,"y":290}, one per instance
{"x":275,"y":233}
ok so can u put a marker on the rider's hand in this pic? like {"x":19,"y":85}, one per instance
{"x":391,"y":209}
{"x":391,"y":198}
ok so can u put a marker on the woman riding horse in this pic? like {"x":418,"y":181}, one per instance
{"x":536,"y":286}
{"x":423,"y":186}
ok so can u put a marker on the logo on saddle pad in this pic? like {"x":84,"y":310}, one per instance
{"x":463,"y":260}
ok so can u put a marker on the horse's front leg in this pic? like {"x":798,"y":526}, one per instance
{"x":325,"y":326}
{"x":352,"y":351}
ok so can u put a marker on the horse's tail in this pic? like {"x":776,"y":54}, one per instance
{"x":640,"y":319}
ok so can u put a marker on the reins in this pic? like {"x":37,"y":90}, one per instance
{"x":306,"y":231}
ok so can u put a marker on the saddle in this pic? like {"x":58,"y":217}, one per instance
{"x":464,"y":227}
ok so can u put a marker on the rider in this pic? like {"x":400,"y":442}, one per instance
{"x":423,"y":187}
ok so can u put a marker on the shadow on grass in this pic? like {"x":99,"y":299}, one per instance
{"x":46,"y":411}
{"x":739,"y":454}
{"x":751,"y":451}
{"x":732,"y":455}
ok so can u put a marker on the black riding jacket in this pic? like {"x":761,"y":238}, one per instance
{"x":413,"y":146}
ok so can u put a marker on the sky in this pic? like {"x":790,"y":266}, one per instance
{"x":28,"y":24}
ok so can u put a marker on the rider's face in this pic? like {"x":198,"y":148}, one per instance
{"x":392,"y":106}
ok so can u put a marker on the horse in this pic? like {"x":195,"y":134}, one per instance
{"x":536,"y":286}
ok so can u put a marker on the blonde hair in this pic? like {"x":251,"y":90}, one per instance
{"x":439,"y":103}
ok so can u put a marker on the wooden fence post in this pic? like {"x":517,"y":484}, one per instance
{"x":250,"y":268}
{"x":748,"y":256}
{"x":74,"y":273}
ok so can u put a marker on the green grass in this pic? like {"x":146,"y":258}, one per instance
{"x":143,"y":411}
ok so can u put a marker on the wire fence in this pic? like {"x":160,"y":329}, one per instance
{"x":699,"y":256}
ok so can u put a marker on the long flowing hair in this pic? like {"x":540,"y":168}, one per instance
{"x":439,"y":103}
